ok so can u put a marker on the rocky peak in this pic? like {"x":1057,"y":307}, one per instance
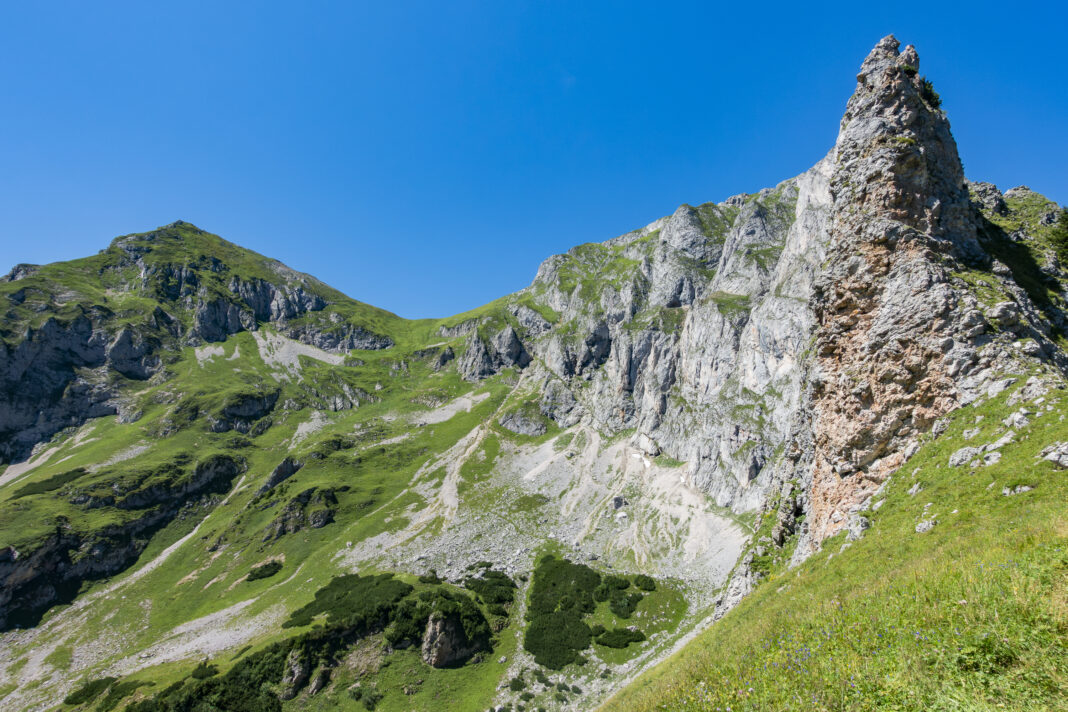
{"x":896,"y":157}
{"x":895,"y":336}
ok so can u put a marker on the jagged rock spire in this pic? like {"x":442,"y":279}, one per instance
{"x":894,"y":336}
{"x":896,"y":157}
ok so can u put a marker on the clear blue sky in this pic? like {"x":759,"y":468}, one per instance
{"x":426,"y":156}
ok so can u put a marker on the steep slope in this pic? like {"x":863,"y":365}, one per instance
{"x":231,"y":485}
{"x":925,"y":304}
{"x":953,"y":599}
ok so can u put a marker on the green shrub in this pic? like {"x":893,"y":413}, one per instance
{"x":554,"y":639}
{"x":562,"y":585}
{"x":371,"y":699}
{"x":89,"y":691}
{"x":597,"y":629}
{"x":614,"y":582}
{"x":645,"y":583}
{"x":620,"y":638}
{"x":409,"y":619}
{"x":600,"y":594}
{"x":119,"y":692}
{"x":264,"y":571}
{"x":431,"y":577}
{"x":204,"y":670}
{"x":623,"y":604}
{"x":516,"y":684}
{"x":492,"y":586}
{"x":49,"y":485}
{"x":352,"y":599}
{"x":929,"y":95}
{"x":560,"y":597}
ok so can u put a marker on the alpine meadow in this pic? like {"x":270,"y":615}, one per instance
{"x":799,"y":449}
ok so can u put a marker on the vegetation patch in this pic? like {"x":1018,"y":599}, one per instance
{"x":969,"y":615}
{"x":351,"y":598}
{"x":264,"y":570}
{"x":492,"y":586}
{"x":49,"y":485}
{"x":619,"y":637}
{"x":89,"y":691}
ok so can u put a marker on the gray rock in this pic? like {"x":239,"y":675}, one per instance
{"x":444,"y":643}
{"x":857,"y":526}
{"x":926,"y":525}
{"x":297,"y":671}
{"x":1018,"y":420}
{"x":1057,"y":453}
{"x":285,"y":469}
{"x":1005,"y":314}
{"x":522,"y":423}
{"x":964,"y":456}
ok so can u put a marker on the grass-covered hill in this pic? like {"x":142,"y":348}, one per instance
{"x":249,"y":480}
{"x":803,"y":449}
{"x":955,"y":598}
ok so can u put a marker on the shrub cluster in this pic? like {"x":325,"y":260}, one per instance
{"x":645,"y":583}
{"x":623,"y":604}
{"x":351,"y":599}
{"x":355,"y":606}
{"x":560,"y":597}
{"x":89,"y":691}
{"x":620,"y":638}
{"x":204,"y":670}
{"x":264,"y":571}
{"x":492,"y":586}
{"x":410,"y":618}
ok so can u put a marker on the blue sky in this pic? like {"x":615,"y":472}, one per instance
{"x":426,"y":156}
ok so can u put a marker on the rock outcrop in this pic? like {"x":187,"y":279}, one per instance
{"x":444,"y":642}
{"x":53,"y":570}
{"x":313,"y":508}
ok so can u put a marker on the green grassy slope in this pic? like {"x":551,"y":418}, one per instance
{"x":971,"y":615}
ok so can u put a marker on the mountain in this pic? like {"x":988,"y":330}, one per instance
{"x":231,"y":487}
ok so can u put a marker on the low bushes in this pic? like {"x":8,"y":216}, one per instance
{"x":264,"y":571}
{"x":492,"y":586}
{"x":620,"y":638}
{"x":645,"y":583}
{"x":560,"y":597}
{"x":89,"y":691}
{"x":555,"y":639}
{"x":352,"y":598}
{"x":623,"y":604}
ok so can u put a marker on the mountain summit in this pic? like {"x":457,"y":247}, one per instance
{"x":231,"y":487}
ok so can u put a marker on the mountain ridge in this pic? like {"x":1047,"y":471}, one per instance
{"x":701,"y":401}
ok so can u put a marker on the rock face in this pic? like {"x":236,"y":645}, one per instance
{"x":807,"y":333}
{"x":444,"y":642}
{"x":286,"y":469}
{"x":54,"y":571}
{"x":313,"y":508}
{"x":894,"y":336}
{"x":46,"y":382}
{"x":59,"y":371}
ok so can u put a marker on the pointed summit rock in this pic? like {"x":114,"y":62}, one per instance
{"x":894,"y":336}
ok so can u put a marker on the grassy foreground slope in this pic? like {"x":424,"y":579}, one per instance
{"x":970,"y":615}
